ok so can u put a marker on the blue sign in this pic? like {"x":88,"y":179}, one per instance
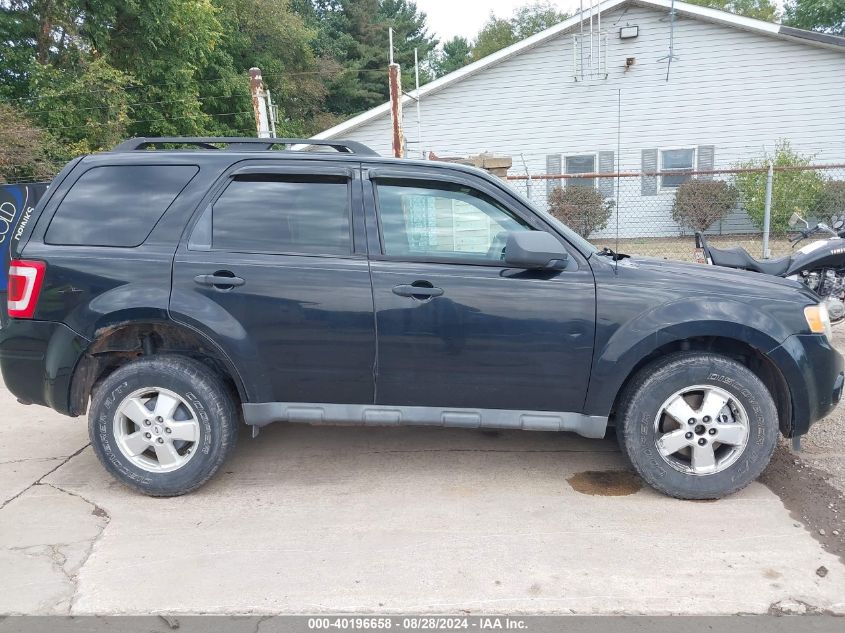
{"x":16,"y":203}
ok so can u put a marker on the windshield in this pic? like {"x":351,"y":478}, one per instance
{"x":580,"y":243}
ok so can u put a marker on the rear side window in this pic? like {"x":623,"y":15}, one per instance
{"x":117,"y":205}
{"x":283,"y":214}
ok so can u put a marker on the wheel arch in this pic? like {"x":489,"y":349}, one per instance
{"x":120,"y":342}
{"x":737,"y":349}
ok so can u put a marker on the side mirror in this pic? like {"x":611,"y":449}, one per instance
{"x":533,"y":250}
{"x":838,"y":224}
{"x":794,"y":219}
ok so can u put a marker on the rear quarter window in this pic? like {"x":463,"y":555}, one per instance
{"x":117,"y":205}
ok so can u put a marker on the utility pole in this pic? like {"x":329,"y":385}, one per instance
{"x":395,"y":79}
{"x":260,"y":101}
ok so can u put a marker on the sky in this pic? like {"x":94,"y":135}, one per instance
{"x":448,"y":18}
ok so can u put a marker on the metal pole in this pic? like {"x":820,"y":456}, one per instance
{"x":390,"y":36}
{"x":598,"y":15}
{"x":272,"y":113}
{"x":767,"y":213}
{"x":581,"y":39}
{"x":527,"y":176}
{"x":419,"y":120}
{"x":591,"y":39}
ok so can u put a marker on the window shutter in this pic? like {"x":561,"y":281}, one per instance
{"x":606,"y":166}
{"x":553,"y":167}
{"x":706,"y":160}
{"x":648,"y":184}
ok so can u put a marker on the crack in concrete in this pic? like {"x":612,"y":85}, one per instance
{"x":97,"y":511}
{"x":40,"y":479}
{"x":53,"y":551}
{"x":31,"y":459}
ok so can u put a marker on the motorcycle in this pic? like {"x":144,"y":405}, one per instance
{"x":820,"y":265}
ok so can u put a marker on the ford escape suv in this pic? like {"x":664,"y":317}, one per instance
{"x":173,"y":287}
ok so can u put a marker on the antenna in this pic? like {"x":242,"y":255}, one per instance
{"x":618,"y":168}
{"x":419,"y":121}
{"x":671,"y":56}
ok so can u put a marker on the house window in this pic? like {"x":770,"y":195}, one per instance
{"x":581,"y":164}
{"x":680,"y":160}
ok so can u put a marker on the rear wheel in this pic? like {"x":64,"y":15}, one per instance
{"x":698,"y":426}
{"x":162,"y":425}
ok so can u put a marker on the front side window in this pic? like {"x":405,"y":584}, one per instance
{"x":680,"y":160}
{"x":117,"y":205}
{"x":276,"y":214}
{"x":446,"y":220}
{"x":584,"y":164}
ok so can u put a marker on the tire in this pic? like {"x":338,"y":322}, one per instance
{"x":194,"y":440}
{"x":646,"y":438}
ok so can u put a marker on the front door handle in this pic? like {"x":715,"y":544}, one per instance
{"x":221,"y":280}
{"x":422,"y":291}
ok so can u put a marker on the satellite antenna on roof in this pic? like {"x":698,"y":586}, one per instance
{"x":589,"y":48}
{"x":671,"y":56}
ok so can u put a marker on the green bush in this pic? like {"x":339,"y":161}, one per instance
{"x":700,"y":203}
{"x":792,"y":190}
{"x":581,"y":208}
{"x":831,"y":201}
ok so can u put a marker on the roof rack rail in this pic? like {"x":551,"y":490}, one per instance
{"x":241,"y":144}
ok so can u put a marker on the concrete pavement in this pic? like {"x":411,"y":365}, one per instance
{"x":389,"y":520}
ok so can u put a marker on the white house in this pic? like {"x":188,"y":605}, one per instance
{"x":633,"y":88}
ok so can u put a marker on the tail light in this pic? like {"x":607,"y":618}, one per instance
{"x":25,"y":278}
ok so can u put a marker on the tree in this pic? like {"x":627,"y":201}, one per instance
{"x":455,"y":54}
{"x":495,"y":35}
{"x":535,"y":17}
{"x":793,"y":190}
{"x":23,"y":148}
{"x":827,"y":16}
{"x":270,"y":35}
{"x":87,"y":106}
{"x":526,"y":21}
{"x":760,"y":9}
{"x":354,"y":35}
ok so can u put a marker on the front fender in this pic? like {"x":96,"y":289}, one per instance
{"x":625,"y":346}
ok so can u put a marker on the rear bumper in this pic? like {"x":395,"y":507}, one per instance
{"x":814,"y":373}
{"x":37,"y":359}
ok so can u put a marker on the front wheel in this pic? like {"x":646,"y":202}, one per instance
{"x":162,"y":425}
{"x":698,"y":425}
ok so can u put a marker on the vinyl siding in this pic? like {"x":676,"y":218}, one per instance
{"x":732,"y":89}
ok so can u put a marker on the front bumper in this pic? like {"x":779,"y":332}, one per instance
{"x":37,"y":359}
{"x":813,"y":370}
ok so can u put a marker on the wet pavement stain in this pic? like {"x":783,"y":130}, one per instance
{"x":605,"y":483}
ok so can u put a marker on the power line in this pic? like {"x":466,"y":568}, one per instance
{"x":328,"y":74}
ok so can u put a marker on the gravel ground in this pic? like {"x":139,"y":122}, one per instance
{"x":824,"y":446}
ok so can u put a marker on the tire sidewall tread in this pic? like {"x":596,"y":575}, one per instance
{"x":656,"y":382}
{"x":200,"y":387}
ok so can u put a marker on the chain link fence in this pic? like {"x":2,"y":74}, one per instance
{"x":657,"y":213}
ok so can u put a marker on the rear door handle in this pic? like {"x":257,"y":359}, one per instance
{"x":219,"y":281}
{"x":417,"y":292}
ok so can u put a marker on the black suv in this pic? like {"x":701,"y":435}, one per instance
{"x":182,"y":284}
